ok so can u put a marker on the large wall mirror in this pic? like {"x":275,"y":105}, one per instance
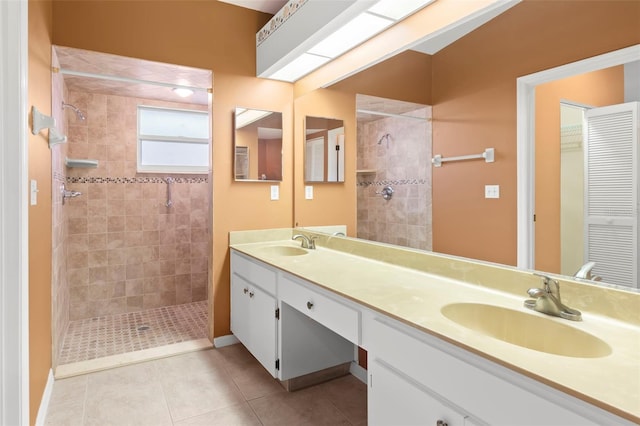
{"x":383,"y":141}
{"x":257,"y":145}
{"x":323,"y":150}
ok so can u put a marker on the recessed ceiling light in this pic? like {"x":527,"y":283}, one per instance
{"x":183,"y":92}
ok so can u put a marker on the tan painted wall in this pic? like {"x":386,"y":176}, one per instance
{"x":474,"y":98}
{"x":244,"y":205}
{"x":333,"y":203}
{"x":210,"y":35}
{"x":406,"y":77}
{"x":40,"y":215}
{"x":598,"y":88}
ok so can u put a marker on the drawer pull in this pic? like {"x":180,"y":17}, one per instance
{"x":251,"y":294}
{"x":441,"y":423}
{"x":309,"y":305}
{"x":246,"y":290}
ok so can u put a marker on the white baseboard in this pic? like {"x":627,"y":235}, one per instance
{"x":359,"y":372}
{"x":228,"y":340}
{"x":46,"y":398}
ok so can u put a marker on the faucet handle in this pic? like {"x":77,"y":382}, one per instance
{"x":546,"y":280}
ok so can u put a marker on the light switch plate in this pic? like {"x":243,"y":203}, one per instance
{"x":275,"y":192}
{"x":308,"y":192}
{"x":34,"y":192}
{"x":492,"y":191}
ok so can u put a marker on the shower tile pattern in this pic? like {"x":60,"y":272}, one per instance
{"x":404,"y":163}
{"x":126,"y":250}
{"x":99,"y":337}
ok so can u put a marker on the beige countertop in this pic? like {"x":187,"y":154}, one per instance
{"x":416,"y":298}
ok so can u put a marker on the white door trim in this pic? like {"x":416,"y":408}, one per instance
{"x":14,"y":215}
{"x":525,"y":105}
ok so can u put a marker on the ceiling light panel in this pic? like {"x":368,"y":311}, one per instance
{"x":249,"y":116}
{"x":299,"y":67}
{"x":395,"y":9}
{"x":359,"y":29}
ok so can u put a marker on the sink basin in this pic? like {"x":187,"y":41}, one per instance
{"x":526,"y":330}
{"x":283,"y":251}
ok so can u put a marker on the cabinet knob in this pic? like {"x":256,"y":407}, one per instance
{"x":250,"y":294}
{"x":309,"y":305}
{"x":245,"y":290}
{"x":442,"y":423}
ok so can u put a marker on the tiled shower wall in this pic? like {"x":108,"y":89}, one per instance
{"x":404,"y":163}
{"x":126,"y":250}
{"x":59,"y":282}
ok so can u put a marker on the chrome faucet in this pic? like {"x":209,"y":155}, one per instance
{"x":547,"y":300}
{"x":307,"y":242}
{"x":585,"y":272}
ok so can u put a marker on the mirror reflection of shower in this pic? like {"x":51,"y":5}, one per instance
{"x":394,"y":151}
{"x":79,"y":114}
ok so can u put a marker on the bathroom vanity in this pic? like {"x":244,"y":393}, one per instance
{"x":441,"y":349}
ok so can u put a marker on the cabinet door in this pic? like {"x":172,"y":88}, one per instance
{"x":393,"y":399}
{"x":262,"y":328}
{"x":253,"y":321}
{"x":240,"y":309}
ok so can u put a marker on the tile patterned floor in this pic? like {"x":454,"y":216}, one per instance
{"x":224,"y":386}
{"x":117,"y":334}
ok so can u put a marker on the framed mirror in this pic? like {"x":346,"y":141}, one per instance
{"x":323,"y":150}
{"x":257,"y":144}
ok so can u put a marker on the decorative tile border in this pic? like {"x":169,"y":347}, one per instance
{"x":393,"y":182}
{"x":278,"y":19}
{"x":93,"y":179}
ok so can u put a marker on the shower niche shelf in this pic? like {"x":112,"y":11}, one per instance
{"x":82,"y":163}
{"x":366,"y":171}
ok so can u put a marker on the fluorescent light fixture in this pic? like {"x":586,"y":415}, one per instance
{"x":304,"y":43}
{"x":398,"y":9}
{"x":299,"y":67}
{"x":359,"y":29}
{"x":249,"y":116}
{"x":183,"y":92}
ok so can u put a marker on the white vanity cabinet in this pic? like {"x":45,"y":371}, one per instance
{"x":253,"y":309}
{"x":416,"y":378}
{"x":279,"y":319}
{"x":396,"y":399}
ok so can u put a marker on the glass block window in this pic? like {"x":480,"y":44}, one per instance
{"x":173,"y":140}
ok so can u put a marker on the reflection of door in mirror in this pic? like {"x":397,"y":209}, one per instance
{"x":569,"y":230}
{"x":314,"y":160}
{"x":571,"y":188}
{"x":394,"y":149}
{"x":261,"y":133}
{"x":242,"y":162}
{"x":612,"y":188}
{"x":324,"y":150}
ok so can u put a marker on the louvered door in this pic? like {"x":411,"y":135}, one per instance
{"x":612,"y":192}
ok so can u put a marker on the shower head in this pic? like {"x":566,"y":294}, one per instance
{"x":387,"y":137}
{"x":75,"y":109}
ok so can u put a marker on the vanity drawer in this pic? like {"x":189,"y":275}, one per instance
{"x":325,"y":310}
{"x":253,"y":272}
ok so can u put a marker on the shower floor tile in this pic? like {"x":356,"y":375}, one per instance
{"x":117,"y":334}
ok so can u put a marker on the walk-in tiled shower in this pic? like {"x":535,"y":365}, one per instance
{"x":129,"y":272}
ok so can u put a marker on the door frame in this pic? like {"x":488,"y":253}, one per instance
{"x":525,"y":111}
{"x":14,"y":214}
